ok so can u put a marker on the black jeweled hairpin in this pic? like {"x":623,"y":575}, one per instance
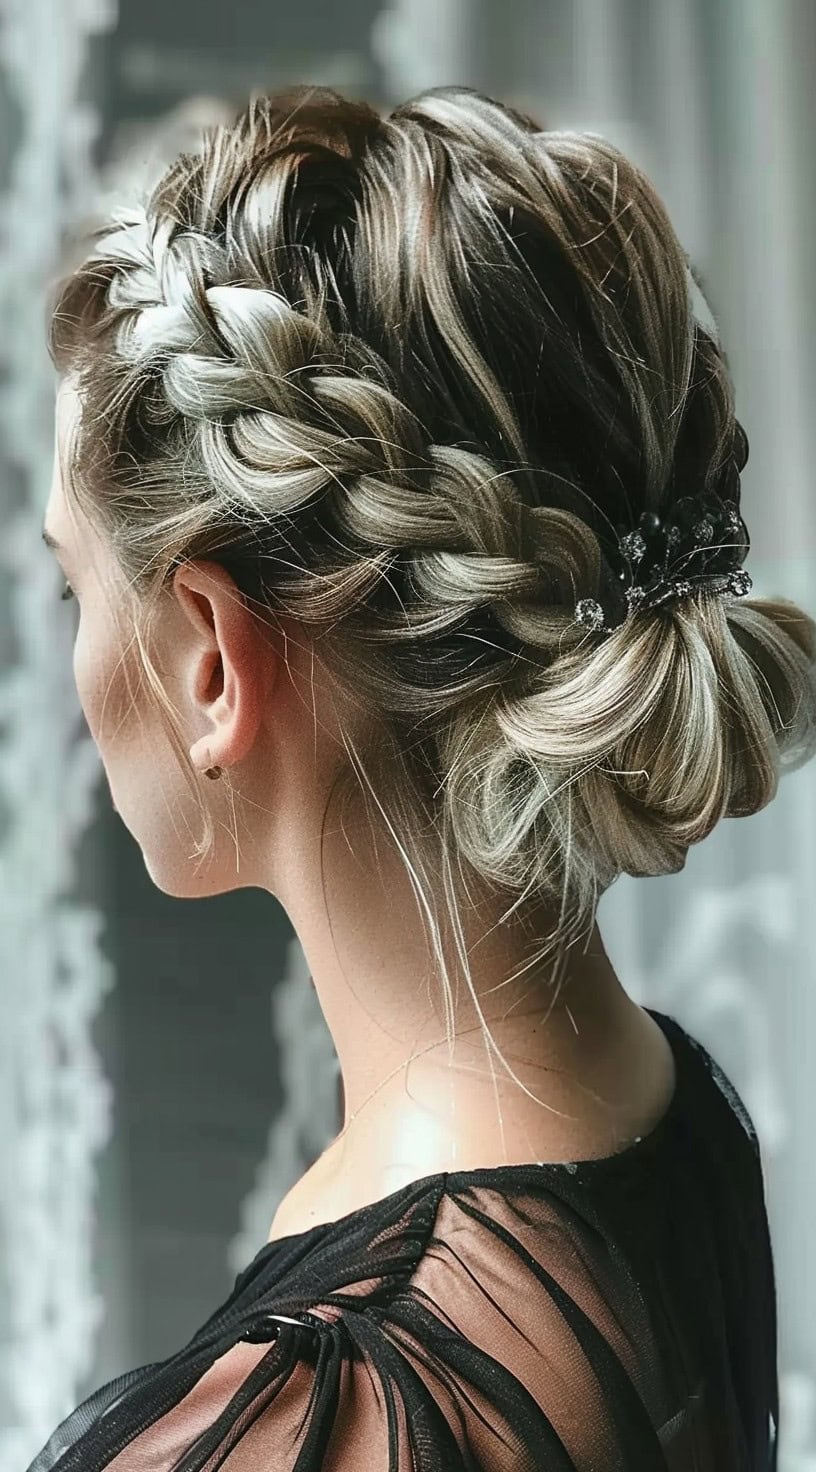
{"x":702,"y":544}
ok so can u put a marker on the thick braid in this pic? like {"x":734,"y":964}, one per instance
{"x":272,"y":394}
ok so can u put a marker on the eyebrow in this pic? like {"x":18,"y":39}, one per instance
{"x":51,"y":541}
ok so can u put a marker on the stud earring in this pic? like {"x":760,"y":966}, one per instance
{"x":213,"y":773}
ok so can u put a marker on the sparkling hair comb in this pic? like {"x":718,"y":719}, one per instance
{"x":703,"y":544}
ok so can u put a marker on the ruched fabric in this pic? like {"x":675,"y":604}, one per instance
{"x":616,"y":1314}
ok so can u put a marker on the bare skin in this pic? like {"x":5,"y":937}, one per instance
{"x":631,"y":1067}
{"x":265,"y":709}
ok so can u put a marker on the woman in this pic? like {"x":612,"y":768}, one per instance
{"x":399,"y":486}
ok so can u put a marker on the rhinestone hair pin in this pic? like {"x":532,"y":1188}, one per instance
{"x":703,"y":544}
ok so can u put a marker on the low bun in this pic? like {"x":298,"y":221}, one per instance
{"x":624,"y":755}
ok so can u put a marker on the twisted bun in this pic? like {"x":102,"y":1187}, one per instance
{"x":402,"y":375}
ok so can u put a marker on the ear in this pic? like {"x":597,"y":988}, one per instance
{"x":232,"y":668}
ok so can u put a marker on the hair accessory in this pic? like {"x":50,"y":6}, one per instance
{"x":213,"y":772}
{"x":703,"y":544}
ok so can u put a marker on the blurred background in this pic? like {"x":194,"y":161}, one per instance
{"x":166,"y":1074}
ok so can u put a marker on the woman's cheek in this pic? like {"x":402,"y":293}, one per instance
{"x":81,"y":679}
{"x":93,"y":665}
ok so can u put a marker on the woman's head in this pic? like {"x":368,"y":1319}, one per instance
{"x":320,"y":369}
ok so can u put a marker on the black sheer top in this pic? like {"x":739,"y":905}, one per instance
{"x":615,"y":1314}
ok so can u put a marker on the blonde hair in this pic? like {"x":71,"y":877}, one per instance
{"x":341,"y":353}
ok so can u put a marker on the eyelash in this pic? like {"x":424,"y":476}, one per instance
{"x":67,"y":592}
